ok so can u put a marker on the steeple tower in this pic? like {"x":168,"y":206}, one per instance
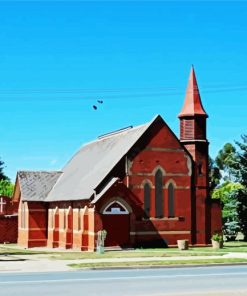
{"x":192,"y":104}
{"x":193,"y":116}
{"x":193,"y":136}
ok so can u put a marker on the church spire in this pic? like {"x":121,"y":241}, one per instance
{"x":192,"y":103}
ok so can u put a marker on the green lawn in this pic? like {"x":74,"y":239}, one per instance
{"x":12,"y":249}
{"x":129,"y":254}
{"x":157,"y":263}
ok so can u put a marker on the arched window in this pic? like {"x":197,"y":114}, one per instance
{"x":171,"y":200}
{"x":159,"y":211}
{"x":115,"y":208}
{"x":147,"y":194}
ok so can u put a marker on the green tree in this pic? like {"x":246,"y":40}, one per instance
{"x":241,"y":175}
{"x":233,"y":162}
{"x":226,"y":161}
{"x":2,"y":175}
{"x":228,"y":194}
{"x":242,"y":210}
{"x":214,"y":175}
{"x":6,"y":188}
{"x":240,"y":165}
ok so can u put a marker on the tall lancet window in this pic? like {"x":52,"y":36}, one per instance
{"x":147,"y":194}
{"x":171,"y":200}
{"x":159,"y":199}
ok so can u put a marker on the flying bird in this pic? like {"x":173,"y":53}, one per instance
{"x":99,"y":102}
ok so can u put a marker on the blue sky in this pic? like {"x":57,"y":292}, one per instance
{"x":58,"y":58}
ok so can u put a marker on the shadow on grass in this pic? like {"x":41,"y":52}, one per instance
{"x":2,"y":253}
{"x":10,"y":259}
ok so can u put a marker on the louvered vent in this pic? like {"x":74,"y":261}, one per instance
{"x":187,"y":129}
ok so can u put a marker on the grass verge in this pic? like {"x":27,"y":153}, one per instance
{"x":157,"y":263}
{"x":130,"y":254}
{"x":13,"y":249}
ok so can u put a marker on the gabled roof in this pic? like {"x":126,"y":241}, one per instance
{"x":192,"y":103}
{"x":86,"y":170}
{"x":93,"y":162}
{"x":35,"y":185}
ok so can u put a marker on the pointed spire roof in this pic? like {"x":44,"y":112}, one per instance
{"x":192,"y":103}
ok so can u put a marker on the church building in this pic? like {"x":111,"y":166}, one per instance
{"x":142,"y":184}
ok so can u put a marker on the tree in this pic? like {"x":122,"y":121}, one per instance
{"x":242,"y":210}
{"x":214,"y":175}
{"x":6,"y":188}
{"x":233,"y":193}
{"x":2,"y":175}
{"x":240,"y":165}
{"x":226,"y":160}
{"x":241,"y":175}
{"x":227,"y":193}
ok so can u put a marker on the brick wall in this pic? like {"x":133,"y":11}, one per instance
{"x":8,"y":229}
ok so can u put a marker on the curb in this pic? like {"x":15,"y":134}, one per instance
{"x":160,"y":266}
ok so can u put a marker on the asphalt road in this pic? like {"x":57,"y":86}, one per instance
{"x":218,"y":280}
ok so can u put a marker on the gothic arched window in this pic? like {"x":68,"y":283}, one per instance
{"x":147,"y":195}
{"x":171,"y":200}
{"x":159,"y":200}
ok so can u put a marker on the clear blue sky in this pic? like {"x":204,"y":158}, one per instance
{"x":58,"y":58}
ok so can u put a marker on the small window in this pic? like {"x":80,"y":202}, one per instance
{"x":171,"y":201}
{"x":147,"y":194}
{"x":159,"y":199}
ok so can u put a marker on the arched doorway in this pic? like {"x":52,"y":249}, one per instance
{"x":116,"y":221}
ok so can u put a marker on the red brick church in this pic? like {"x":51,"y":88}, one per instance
{"x":141,"y":184}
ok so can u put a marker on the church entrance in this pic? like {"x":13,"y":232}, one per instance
{"x":116,"y":221}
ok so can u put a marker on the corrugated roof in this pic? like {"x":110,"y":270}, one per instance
{"x":91,"y":164}
{"x":35,"y":185}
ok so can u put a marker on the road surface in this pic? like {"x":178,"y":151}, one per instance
{"x":218,"y":280}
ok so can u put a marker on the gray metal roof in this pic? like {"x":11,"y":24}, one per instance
{"x":91,"y":164}
{"x":35,"y":185}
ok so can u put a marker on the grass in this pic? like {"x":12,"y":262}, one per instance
{"x":238,"y":246}
{"x":235,"y":246}
{"x":17,"y":251}
{"x":157,"y":263}
{"x":128,"y":254}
